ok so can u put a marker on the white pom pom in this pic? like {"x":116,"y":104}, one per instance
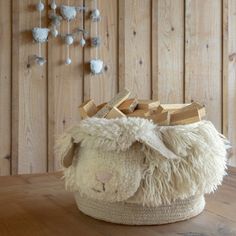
{"x":40,"y":60}
{"x":54,"y":32}
{"x":68,"y":61}
{"x":40,"y":6}
{"x":69,"y":39}
{"x":96,"y":66}
{"x":96,"y":13}
{"x":82,"y":42}
{"x":53,"y":5}
{"x":41,"y":63}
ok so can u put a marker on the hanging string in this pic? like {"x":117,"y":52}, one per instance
{"x":54,"y":9}
{"x":96,"y":30}
{"x":40,"y":25}
{"x":68,"y":31}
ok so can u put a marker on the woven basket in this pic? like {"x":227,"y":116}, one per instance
{"x":134,"y":214}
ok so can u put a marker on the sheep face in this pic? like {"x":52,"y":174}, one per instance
{"x":109,"y":176}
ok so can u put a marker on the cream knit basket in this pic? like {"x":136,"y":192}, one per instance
{"x":134,"y":214}
{"x":131,"y":171}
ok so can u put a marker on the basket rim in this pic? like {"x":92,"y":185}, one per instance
{"x":135,"y":214}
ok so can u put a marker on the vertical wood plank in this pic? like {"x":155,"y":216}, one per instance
{"x":29,"y":147}
{"x":65,"y":84}
{"x":225,"y":64}
{"x":5,"y":87}
{"x":102,"y":87}
{"x":168,"y":50}
{"x":230,"y":81}
{"x":203,"y":60}
{"x":135,"y":47}
{"x":225,"y":58}
{"x":15,"y":86}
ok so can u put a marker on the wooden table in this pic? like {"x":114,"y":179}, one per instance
{"x":32,"y":205}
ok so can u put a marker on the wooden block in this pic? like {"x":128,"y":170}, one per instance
{"x":161,"y":118}
{"x":114,"y":102}
{"x":100,"y":106}
{"x":156,"y":110}
{"x":87,"y":109}
{"x":103,"y":111}
{"x":114,"y":113}
{"x":147,"y":104}
{"x":140,"y":113}
{"x":119,"y":98}
{"x":128,"y":106}
{"x":185,"y":117}
{"x":173,"y":107}
{"x":190,"y":106}
{"x":188,"y":114}
{"x":202,"y":112}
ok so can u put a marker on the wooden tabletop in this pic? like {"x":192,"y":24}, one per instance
{"x":33,"y":205}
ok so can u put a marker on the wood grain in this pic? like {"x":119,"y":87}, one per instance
{"x":30,"y":149}
{"x":203,"y":62}
{"x":56,"y":212}
{"x":102,"y":87}
{"x":135,"y":47}
{"x":230,"y":82}
{"x":168,"y":50}
{"x":65,"y":85}
{"x":5,"y":87}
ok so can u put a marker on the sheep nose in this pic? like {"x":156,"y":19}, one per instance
{"x":103,"y":176}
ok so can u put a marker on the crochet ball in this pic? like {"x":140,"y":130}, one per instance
{"x":82,"y":42}
{"x":69,"y":39}
{"x":54,"y":32}
{"x":53,"y":5}
{"x":68,"y":61}
{"x":40,"y":61}
{"x":40,"y":6}
{"x":96,"y":13}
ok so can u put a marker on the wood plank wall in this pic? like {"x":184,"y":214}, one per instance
{"x":5,"y":86}
{"x":175,"y":51}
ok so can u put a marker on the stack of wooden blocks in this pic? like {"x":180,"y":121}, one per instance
{"x":162,"y":114}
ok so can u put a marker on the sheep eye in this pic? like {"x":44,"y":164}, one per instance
{"x":144,"y":160}
{"x":96,"y":190}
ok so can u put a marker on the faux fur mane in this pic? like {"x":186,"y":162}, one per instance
{"x":197,"y":166}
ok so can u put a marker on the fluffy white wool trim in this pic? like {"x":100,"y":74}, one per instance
{"x":114,"y":135}
{"x":198,"y":168}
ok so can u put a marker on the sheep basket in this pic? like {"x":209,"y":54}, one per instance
{"x":132,"y":171}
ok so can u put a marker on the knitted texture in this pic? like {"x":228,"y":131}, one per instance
{"x":133,"y":214}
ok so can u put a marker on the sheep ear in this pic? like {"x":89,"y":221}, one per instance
{"x":65,"y":149}
{"x":156,"y":144}
{"x":69,"y":155}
